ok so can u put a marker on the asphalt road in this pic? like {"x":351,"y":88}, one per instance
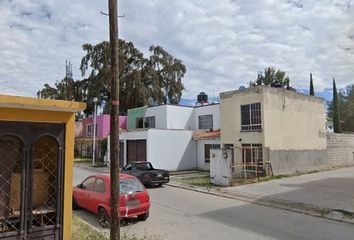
{"x":181,"y":214}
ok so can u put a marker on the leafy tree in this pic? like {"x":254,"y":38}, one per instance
{"x":336,"y":118}
{"x":159,"y":76}
{"x":165,"y":74}
{"x":272,"y":76}
{"x":312,"y":91}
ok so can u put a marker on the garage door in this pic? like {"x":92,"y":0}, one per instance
{"x":136,"y":150}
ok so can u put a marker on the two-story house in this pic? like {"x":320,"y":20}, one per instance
{"x":173,"y":137}
{"x":286,"y":128}
{"x":84,"y":131}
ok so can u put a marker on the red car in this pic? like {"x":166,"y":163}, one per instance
{"x":93,"y":194}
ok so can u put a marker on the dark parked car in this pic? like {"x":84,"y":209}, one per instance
{"x":147,"y":174}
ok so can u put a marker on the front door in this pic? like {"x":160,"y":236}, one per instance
{"x":31,"y":180}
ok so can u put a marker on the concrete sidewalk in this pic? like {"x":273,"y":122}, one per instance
{"x":329,"y":189}
{"x":328,"y":194}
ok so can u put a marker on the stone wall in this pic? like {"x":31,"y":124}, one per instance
{"x":340,"y":149}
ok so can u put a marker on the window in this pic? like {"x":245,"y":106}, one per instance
{"x":144,"y":166}
{"x":139,"y":123}
{"x":252,"y":155}
{"x":207,"y":148}
{"x":251,"y":117}
{"x":88,"y":183}
{"x":205,"y":121}
{"x":150,"y":122}
{"x":129,"y":186}
{"x":99,"y":186}
{"x":89,"y":130}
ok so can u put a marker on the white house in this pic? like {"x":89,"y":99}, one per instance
{"x":172,"y":137}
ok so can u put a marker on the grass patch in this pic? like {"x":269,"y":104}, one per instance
{"x":83,"y":231}
{"x":198,"y":181}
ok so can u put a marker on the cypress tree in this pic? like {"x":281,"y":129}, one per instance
{"x":312,"y":91}
{"x":336,"y":118}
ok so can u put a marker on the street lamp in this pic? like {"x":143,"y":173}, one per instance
{"x":95,"y":100}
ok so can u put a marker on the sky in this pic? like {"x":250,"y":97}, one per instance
{"x":224,"y":43}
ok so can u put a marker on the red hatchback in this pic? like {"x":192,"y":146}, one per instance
{"x":93,"y":194}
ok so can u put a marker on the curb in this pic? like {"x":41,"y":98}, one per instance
{"x":308,"y":209}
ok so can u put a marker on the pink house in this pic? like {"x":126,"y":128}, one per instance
{"x":84,"y":128}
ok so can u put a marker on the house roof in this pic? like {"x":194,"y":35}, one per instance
{"x":8,"y":101}
{"x":202,"y":135}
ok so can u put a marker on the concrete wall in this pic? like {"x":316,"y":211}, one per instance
{"x":220,"y":171}
{"x":293,"y":121}
{"x":133,"y":114}
{"x":179,"y":117}
{"x":293,"y":127}
{"x":103,"y":125}
{"x":172,"y":150}
{"x":340,"y":149}
{"x":168,"y":149}
{"x":230,"y":112}
{"x":160,"y":113}
{"x":292,"y":161}
{"x":200,"y":153}
{"x":213,"y":109}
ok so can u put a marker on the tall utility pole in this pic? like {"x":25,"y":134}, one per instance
{"x":114,"y":131}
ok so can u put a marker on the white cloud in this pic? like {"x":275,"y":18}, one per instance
{"x":223,"y":44}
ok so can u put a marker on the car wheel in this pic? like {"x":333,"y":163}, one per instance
{"x":103,"y":218}
{"x":144,"y":216}
{"x":75,"y":205}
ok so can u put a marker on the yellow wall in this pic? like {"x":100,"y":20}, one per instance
{"x":230,"y":110}
{"x":293,"y":121}
{"x":26,"y":115}
{"x":290,"y":121}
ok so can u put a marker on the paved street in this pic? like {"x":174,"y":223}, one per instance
{"x":182,"y":214}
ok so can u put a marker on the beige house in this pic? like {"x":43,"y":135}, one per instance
{"x":265,"y":124}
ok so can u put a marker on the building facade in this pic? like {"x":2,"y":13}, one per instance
{"x":170,"y":136}
{"x":266,"y":124}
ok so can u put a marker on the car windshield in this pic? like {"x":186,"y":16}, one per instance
{"x":144,"y":166}
{"x":129,"y":186}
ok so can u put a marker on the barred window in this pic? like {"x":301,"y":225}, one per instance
{"x":150,"y":122}
{"x":205,"y":121}
{"x":251,"y":117}
{"x":207,"y":148}
{"x":252,"y":156}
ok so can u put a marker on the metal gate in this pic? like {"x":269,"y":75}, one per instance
{"x":31,"y":180}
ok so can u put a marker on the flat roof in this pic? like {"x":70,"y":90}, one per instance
{"x":8,"y":101}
